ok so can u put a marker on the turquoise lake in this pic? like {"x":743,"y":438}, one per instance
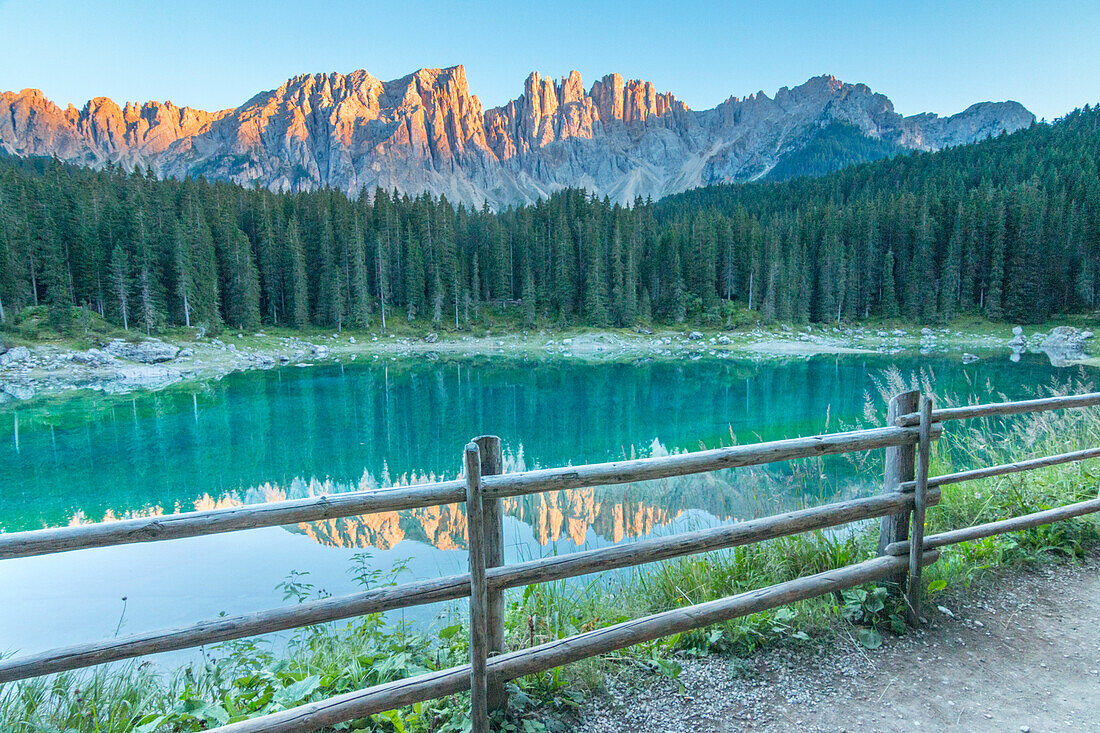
{"x":293,"y":432}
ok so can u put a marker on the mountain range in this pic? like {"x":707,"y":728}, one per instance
{"x":426,"y":132}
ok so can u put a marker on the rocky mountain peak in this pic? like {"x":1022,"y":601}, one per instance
{"x":99,"y":132}
{"x":631,"y":101}
{"x":427,"y":132}
{"x":551,"y":111}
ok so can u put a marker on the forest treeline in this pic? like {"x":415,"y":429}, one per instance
{"x":1008,"y":228}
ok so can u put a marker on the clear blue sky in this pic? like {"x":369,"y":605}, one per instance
{"x":926,"y":56}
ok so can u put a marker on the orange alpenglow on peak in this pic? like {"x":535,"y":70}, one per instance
{"x":426,"y":132}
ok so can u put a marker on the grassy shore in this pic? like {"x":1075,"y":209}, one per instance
{"x":246,"y":678}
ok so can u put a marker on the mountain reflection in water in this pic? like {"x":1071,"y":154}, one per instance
{"x":612,"y":513}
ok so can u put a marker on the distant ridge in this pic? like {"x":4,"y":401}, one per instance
{"x":426,"y":132}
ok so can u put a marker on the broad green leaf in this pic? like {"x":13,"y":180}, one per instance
{"x":215,"y":713}
{"x":297,"y":692}
{"x":150,"y":723}
{"x":870,"y":638}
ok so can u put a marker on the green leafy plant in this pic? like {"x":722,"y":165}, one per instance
{"x":872,"y":608}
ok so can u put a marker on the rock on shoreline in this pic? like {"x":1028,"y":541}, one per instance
{"x":1066,"y":342}
{"x":1064,"y":345}
{"x":149,"y":351}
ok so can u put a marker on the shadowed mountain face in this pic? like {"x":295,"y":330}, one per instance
{"x":426,"y":132}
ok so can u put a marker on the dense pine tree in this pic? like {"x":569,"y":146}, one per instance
{"x":1008,"y":228}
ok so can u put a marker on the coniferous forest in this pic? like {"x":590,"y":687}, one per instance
{"x":1008,"y":228}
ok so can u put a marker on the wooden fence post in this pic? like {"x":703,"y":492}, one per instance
{"x":900,"y":467}
{"x":920,"y":503}
{"x":479,"y":641}
{"x":492,"y":511}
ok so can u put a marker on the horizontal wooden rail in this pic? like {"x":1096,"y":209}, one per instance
{"x":1004,"y":408}
{"x":1015,"y":524}
{"x":453,"y":587}
{"x":705,"y":540}
{"x":229,"y":519}
{"x":358,"y":704}
{"x":683,"y":464}
{"x":193,"y":524}
{"x":227,"y":628}
{"x":1006,"y":468}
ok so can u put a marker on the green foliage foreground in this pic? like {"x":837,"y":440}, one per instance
{"x":249,"y":677}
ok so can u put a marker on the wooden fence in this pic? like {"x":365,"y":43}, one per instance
{"x":903,"y":550}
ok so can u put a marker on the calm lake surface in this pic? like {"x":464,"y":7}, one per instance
{"x":294,"y":432}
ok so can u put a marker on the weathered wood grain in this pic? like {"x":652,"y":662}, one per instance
{"x":1015,"y":524}
{"x":683,"y":464}
{"x":1006,"y":468}
{"x":1090,"y":399}
{"x":920,"y":504}
{"x":230,"y":519}
{"x":227,"y":628}
{"x":479,"y":598}
{"x":492,"y":509}
{"x":900,"y":468}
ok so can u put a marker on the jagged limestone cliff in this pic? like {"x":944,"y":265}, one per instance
{"x":426,"y":132}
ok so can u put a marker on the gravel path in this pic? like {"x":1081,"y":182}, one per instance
{"x":1019,"y":655}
